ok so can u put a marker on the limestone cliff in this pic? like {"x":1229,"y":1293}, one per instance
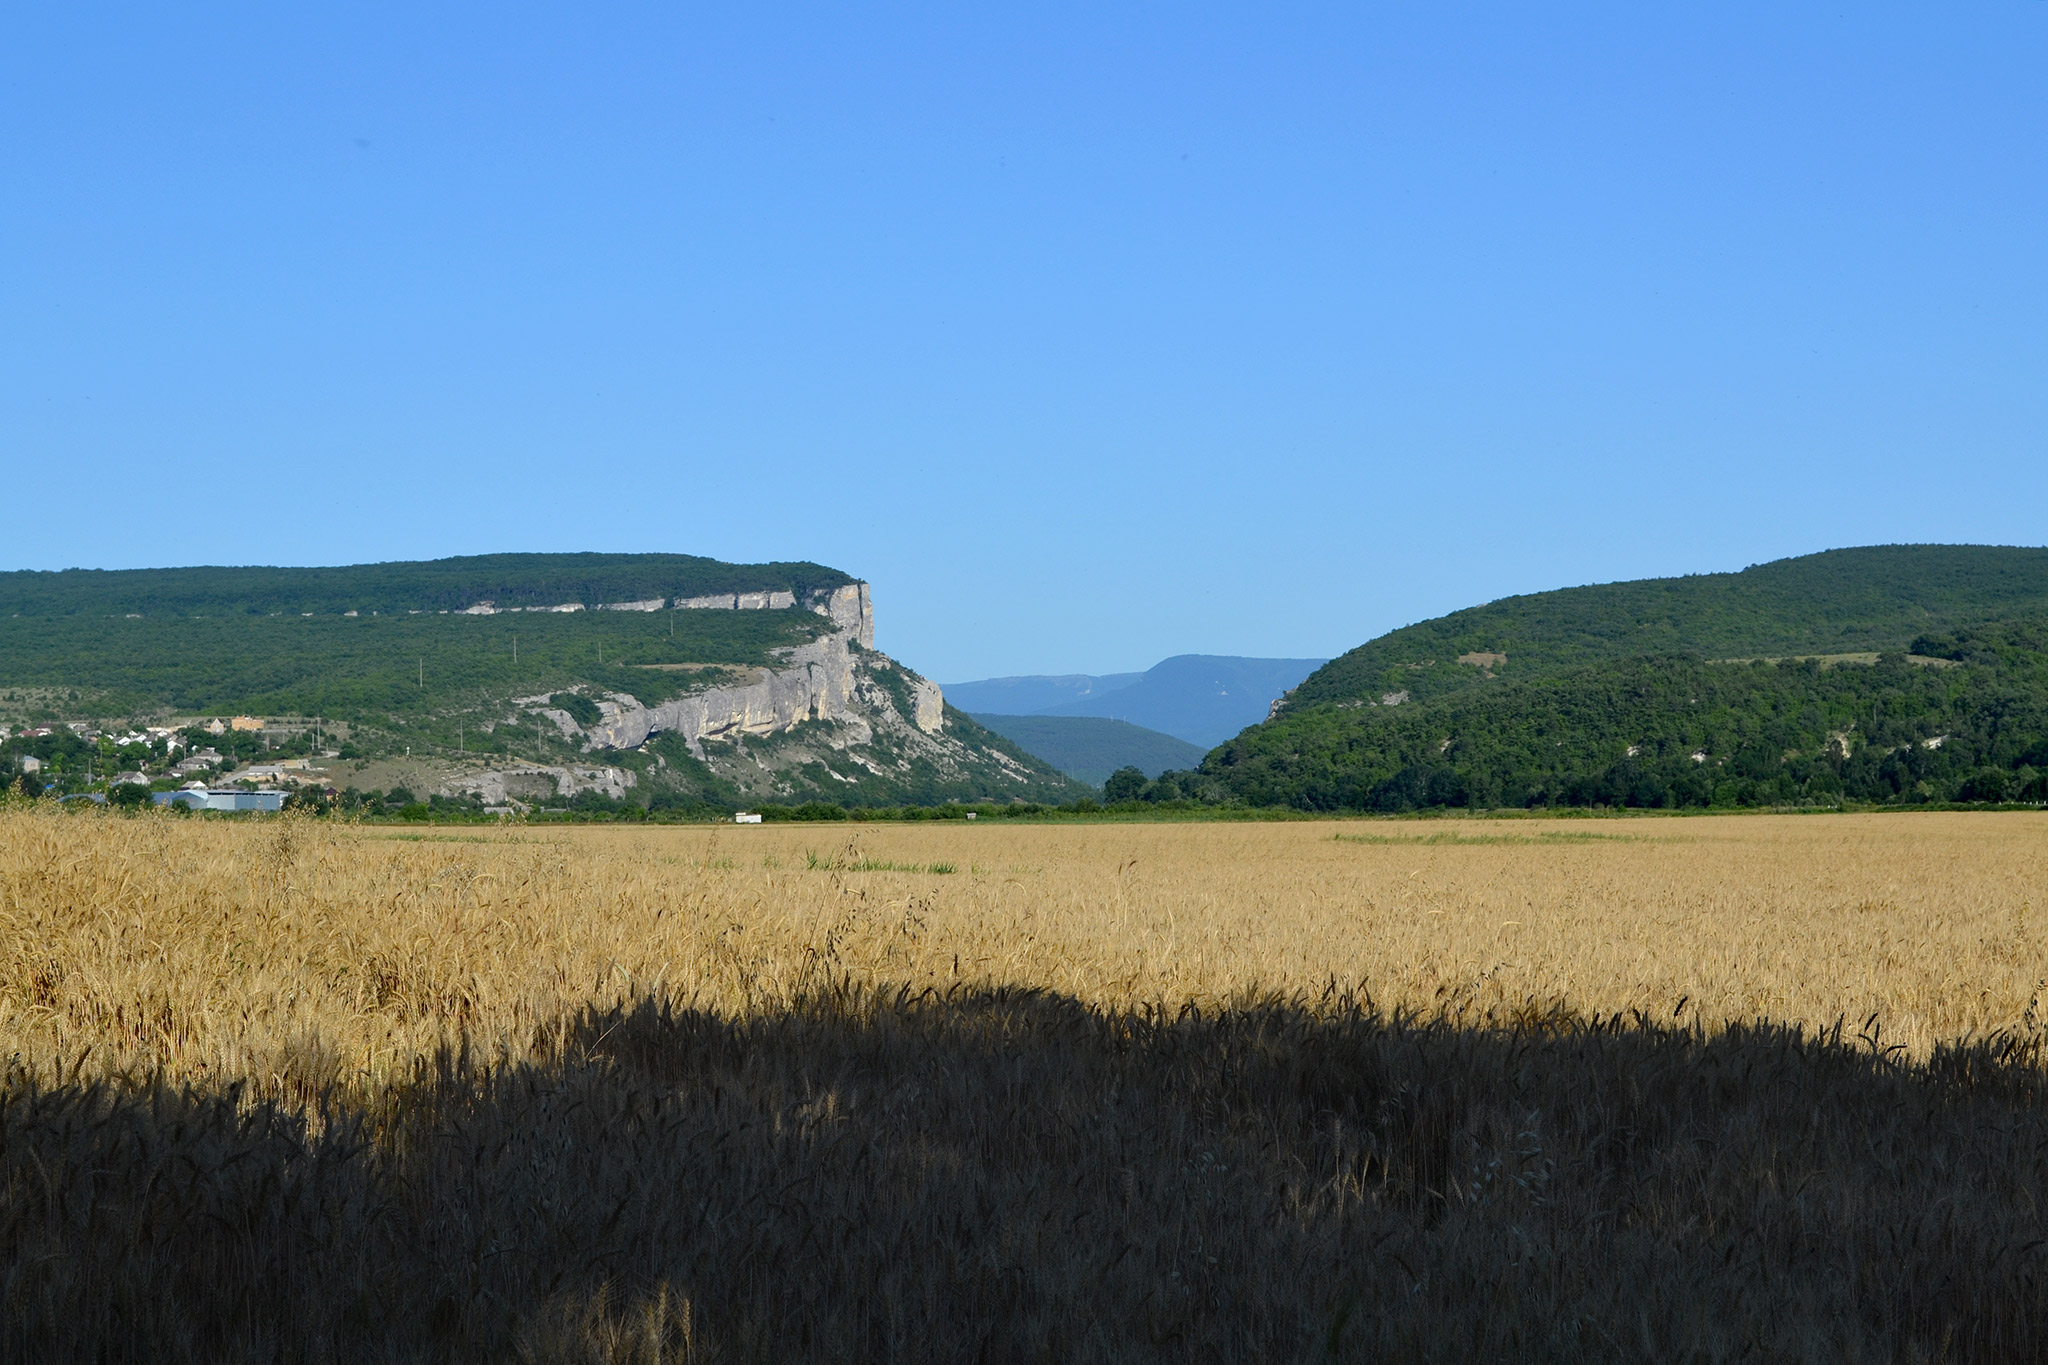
{"x":530,"y":782}
{"x":816,"y":683}
{"x":850,"y":609}
{"x":847,"y":605}
{"x":832,"y":718}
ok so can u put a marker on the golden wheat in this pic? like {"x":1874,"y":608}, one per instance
{"x":1437,"y":1091}
{"x":213,"y":949}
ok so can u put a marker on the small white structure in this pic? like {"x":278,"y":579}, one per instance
{"x":199,"y":798}
{"x":747,"y":818}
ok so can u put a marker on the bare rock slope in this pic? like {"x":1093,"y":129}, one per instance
{"x":833,"y":720}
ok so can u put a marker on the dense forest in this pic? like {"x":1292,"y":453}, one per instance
{"x":423,"y":674}
{"x":1872,"y":599}
{"x":1959,"y":716}
{"x":512,"y":580}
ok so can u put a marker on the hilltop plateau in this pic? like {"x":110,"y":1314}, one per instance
{"x":496,"y":680}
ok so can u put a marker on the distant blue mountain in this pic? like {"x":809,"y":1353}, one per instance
{"x":1090,"y":748}
{"x":1032,"y":696}
{"x":1201,"y":698}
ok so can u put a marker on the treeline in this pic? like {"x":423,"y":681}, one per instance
{"x":511,"y":580}
{"x":1965,"y":721}
{"x":590,"y":807}
{"x":1875,"y":598}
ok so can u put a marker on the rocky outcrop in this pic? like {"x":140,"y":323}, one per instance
{"x":848,"y":601}
{"x":493,"y":609}
{"x":816,"y":684}
{"x":738,"y":601}
{"x":850,"y":609}
{"x":927,"y":706}
{"x":537,"y":782}
{"x":832,"y":719}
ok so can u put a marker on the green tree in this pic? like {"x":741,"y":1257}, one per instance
{"x":1125,"y":784}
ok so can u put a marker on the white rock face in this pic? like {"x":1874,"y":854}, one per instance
{"x":778,"y":600}
{"x":928,"y":705}
{"x":817,"y":684}
{"x":851,"y":609}
{"x":491,"y":609}
{"x":743,"y":601}
{"x":534,"y":781}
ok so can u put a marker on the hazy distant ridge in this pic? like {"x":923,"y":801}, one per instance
{"x":1090,"y":748}
{"x":1203,"y":699}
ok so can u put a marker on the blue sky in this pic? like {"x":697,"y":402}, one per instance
{"x":1088,"y":334}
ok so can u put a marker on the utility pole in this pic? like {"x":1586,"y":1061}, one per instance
{"x":423,"y":672}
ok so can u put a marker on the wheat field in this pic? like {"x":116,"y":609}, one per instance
{"x":1758,"y":1087}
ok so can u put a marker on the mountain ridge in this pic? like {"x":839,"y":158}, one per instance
{"x":1201,"y":699}
{"x":1886,"y":674}
{"x":1862,"y":598}
{"x":585,"y":578}
{"x":1090,"y":748}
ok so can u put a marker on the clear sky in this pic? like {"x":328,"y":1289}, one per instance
{"x":1089,"y":334}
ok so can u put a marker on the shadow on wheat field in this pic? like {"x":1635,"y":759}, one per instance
{"x":1009,"y":1175}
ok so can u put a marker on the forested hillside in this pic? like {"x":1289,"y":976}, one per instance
{"x":512,"y":580}
{"x":421,"y":675}
{"x":1962,"y":717}
{"x":1875,"y":598}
